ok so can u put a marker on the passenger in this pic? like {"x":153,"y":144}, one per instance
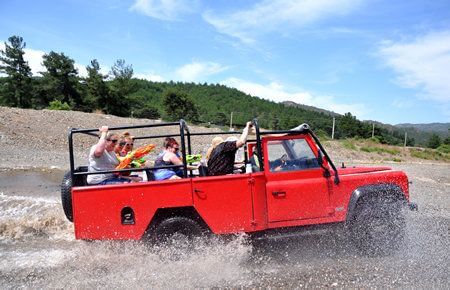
{"x":254,"y":160}
{"x":127,"y":142}
{"x":215,"y":141}
{"x":170,"y":156}
{"x":103,"y":158}
{"x":121,"y":144}
{"x":221,"y":160}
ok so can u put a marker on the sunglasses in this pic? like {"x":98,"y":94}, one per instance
{"x":113,"y":140}
{"x":125,"y":143}
{"x":176,"y":148}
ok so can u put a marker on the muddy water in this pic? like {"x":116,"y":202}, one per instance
{"x":38,"y":250}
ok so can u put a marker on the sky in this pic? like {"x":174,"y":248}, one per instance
{"x":382,"y":60}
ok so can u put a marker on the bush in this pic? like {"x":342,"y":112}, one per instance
{"x":322,"y":135}
{"x":444,"y":148}
{"x":380,"y":150}
{"x":58,"y":105}
{"x":147,"y":112}
{"x":429,"y":154}
{"x":375,"y":139}
{"x":434,"y":141}
{"x":349,"y":144}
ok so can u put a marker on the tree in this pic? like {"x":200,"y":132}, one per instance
{"x":61,"y":79}
{"x":118,"y":103}
{"x":97,"y":90}
{"x":179,"y":106}
{"x":17,"y":89}
{"x":348,"y":126}
{"x":434,"y":141}
{"x":447,"y":140}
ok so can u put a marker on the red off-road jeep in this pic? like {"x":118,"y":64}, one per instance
{"x":293,"y":187}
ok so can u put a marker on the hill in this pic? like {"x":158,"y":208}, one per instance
{"x":38,"y":138}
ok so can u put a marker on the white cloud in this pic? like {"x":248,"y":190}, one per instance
{"x":422,"y":63}
{"x":277,"y":15}
{"x":403,"y":103}
{"x":82,"y":72}
{"x":34,"y":59}
{"x":165,"y":9}
{"x":149,"y":76}
{"x":32,"y":56}
{"x":278,"y":93}
{"x":198,"y":71}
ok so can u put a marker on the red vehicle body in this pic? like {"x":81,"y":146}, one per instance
{"x":310,"y":190}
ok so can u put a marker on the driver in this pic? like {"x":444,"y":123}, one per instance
{"x":279,"y":164}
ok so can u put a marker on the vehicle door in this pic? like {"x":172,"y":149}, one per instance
{"x":225,"y":202}
{"x":296,"y":187}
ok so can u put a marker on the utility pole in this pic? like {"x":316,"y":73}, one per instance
{"x":332,"y":131}
{"x":406,"y":136}
{"x":373,"y":130}
{"x":231,"y":122}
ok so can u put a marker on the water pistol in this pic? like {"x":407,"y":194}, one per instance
{"x":191,"y":158}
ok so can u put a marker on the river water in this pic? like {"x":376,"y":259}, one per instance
{"x":38,"y":249}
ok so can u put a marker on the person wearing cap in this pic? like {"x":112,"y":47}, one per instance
{"x":222,"y":157}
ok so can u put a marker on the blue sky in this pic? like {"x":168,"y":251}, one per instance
{"x":382,"y":60}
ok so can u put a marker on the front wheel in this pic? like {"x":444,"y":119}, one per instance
{"x":378,"y":227}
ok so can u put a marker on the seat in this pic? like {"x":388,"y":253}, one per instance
{"x":150,"y":174}
{"x":80,"y":180}
{"x":203,"y":170}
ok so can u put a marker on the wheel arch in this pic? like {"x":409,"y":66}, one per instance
{"x":381,"y":190}
{"x":165,"y":213}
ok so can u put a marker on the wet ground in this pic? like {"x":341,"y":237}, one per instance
{"x":38,"y":250}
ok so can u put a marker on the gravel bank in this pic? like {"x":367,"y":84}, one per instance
{"x":38,"y":139}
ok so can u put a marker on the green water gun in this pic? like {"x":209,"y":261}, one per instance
{"x":191,"y":158}
{"x":137,"y":163}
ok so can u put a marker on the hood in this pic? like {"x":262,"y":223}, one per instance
{"x":354,"y":170}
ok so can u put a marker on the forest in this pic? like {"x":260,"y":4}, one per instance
{"x":60,"y":87}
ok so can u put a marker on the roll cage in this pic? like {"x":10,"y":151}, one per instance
{"x":186,"y":145}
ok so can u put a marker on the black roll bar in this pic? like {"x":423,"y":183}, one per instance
{"x":185,"y":139}
{"x":302,"y":131}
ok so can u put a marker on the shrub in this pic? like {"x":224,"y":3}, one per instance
{"x":58,"y":105}
{"x":349,"y":144}
{"x":444,"y":148}
{"x":147,"y":112}
{"x":380,"y":150}
{"x":429,"y":154}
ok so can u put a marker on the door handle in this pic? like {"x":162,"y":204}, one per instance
{"x":279,"y":193}
{"x":200,"y":193}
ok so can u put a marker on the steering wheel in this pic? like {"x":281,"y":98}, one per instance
{"x":279,"y":164}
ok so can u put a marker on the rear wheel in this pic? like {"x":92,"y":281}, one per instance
{"x":66,"y":195}
{"x":178,"y":232}
{"x":378,"y":227}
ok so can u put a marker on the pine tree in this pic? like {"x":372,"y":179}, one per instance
{"x":97,"y":90}
{"x":179,"y":106}
{"x":120,"y":87}
{"x":61,"y":79}
{"x":17,"y":89}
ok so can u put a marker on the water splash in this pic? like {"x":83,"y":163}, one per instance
{"x":25,"y":217}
